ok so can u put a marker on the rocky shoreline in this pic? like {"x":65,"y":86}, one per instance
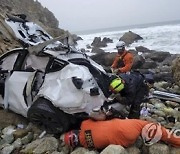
{"x":20,"y":136}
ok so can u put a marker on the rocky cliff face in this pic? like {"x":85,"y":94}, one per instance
{"x":35,"y":12}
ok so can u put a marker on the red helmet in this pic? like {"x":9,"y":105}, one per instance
{"x":71,"y":138}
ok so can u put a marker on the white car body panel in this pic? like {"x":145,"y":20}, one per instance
{"x":60,"y":90}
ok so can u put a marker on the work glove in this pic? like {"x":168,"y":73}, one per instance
{"x":115,"y":71}
{"x":98,"y":115}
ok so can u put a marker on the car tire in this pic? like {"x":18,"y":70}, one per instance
{"x":44,"y":114}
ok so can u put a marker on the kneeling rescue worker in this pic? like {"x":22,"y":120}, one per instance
{"x":124,"y":132}
{"x":132,"y":89}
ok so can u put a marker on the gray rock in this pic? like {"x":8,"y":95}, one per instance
{"x":160,"y":113}
{"x":98,"y":43}
{"x":142,"y":49}
{"x":139,"y":143}
{"x":159,"y":56}
{"x":159,"y":149}
{"x":130,"y":37}
{"x":160,"y":119}
{"x":148,"y":64}
{"x":7,"y":149}
{"x":176,"y":70}
{"x":159,"y":106}
{"x":172,"y":104}
{"x":161,"y":84}
{"x":47,"y":144}
{"x":133,"y":150}
{"x":154,"y":101}
{"x":7,"y":139}
{"x":81,"y":150}
{"x":17,"y":143}
{"x":27,"y":139}
{"x":138,"y":61}
{"x":174,"y":150}
{"x":56,"y":152}
{"x":97,"y":50}
{"x":114,"y":149}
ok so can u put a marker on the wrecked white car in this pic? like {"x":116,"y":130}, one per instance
{"x":53,"y":88}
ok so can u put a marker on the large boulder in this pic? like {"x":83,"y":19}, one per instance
{"x":142,"y":49}
{"x":130,"y":37}
{"x":105,"y":59}
{"x":138,"y":61}
{"x":114,"y":149}
{"x":176,"y":70}
{"x":98,"y":43}
{"x":158,"y":56}
{"x":107,"y":40}
{"x":97,"y":50}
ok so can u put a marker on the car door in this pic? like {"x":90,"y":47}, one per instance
{"x":8,"y":62}
{"x":14,"y":78}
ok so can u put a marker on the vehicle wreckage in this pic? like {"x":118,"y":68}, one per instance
{"x":52,"y":84}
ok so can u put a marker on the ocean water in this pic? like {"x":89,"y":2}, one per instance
{"x":159,"y":36}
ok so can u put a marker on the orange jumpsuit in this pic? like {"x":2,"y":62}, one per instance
{"x":123,"y":62}
{"x":99,"y":134}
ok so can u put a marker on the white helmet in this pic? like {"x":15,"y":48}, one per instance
{"x":120,"y":45}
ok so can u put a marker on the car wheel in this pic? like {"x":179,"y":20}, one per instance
{"x":44,"y":114}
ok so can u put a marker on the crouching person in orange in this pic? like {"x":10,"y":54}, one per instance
{"x":124,"y":132}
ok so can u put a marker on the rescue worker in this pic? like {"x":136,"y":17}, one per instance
{"x":131,"y":89}
{"x":124,"y":132}
{"x":123,"y":61}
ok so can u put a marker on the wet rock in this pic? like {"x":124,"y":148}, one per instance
{"x":114,"y":149}
{"x":158,"y":149}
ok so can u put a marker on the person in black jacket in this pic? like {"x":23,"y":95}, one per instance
{"x":133,"y":89}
